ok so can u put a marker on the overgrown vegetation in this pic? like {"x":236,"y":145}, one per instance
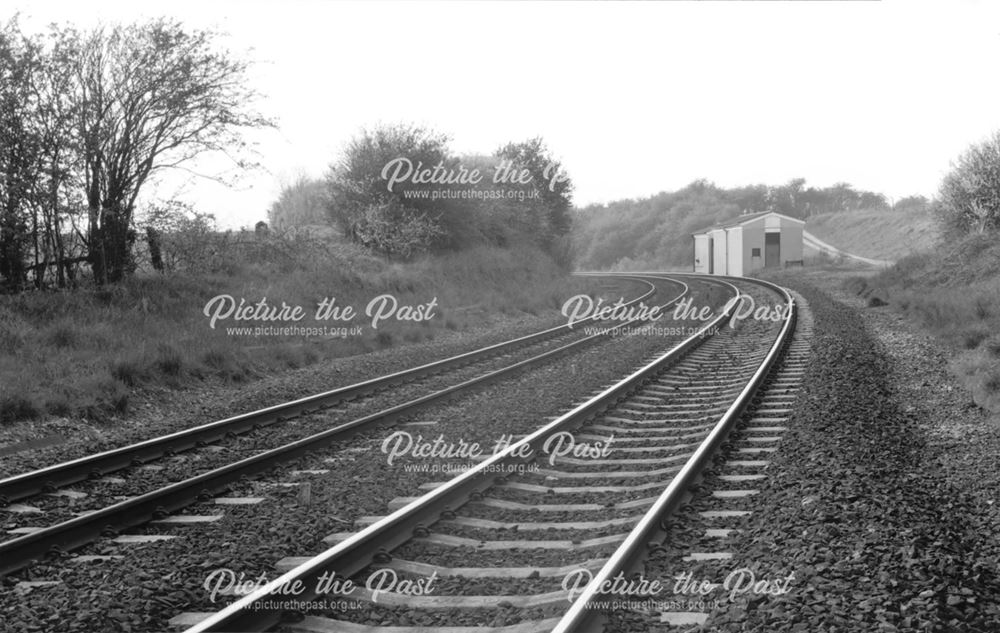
{"x":969,"y":200}
{"x":954,"y":290}
{"x":398,"y":190}
{"x":87,"y":118}
{"x":955,"y":295}
{"x":85,"y":352}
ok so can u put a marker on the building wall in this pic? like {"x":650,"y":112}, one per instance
{"x":719,"y":251}
{"x":753,"y":237}
{"x":701,"y":253}
{"x":733,"y":249}
{"x":791,"y":242}
{"x":734,"y":254}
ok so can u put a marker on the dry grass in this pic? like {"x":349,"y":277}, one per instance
{"x":955,"y":293}
{"x":86,"y":352}
{"x":888,"y":235}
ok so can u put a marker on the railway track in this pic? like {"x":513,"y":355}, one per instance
{"x":422,"y":387}
{"x":710,"y":526}
{"x":525,"y":539}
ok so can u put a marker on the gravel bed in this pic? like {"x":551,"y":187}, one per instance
{"x":470,"y":586}
{"x":139,"y":480}
{"x":873,"y":513}
{"x":548,"y":534}
{"x":584,"y":483}
{"x":522,"y":496}
{"x":472,"y":557}
{"x":154,"y":582}
{"x":149,"y":584}
{"x":375,"y":615}
{"x":533,"y":516}
{"x":162,"y":410}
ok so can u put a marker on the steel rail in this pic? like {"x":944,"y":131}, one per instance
{"x":258,"y":611}
{"x":581,"y":616}
{"x":52,"y":477}
{"x":19,"y":552}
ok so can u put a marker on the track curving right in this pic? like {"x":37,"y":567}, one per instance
{"x":501,"y":545}
{"x":171,"y":496}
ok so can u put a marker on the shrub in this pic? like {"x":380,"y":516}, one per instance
{"x":169,"y":360}
{"x":15,"y":407}
{"x":128,"y":371}
{"x":970,"y":194}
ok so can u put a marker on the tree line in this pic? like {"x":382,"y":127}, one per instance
{"x":400,"y":191}
{"x":87,"y":118}
{"x":658,"y":229}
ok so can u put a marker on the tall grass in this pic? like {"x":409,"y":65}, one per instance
{"x":86,"y":352}
{"x":955,"y":293}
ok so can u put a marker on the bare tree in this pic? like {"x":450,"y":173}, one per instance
{"x":149,"y":97}
{"x":18,"y":153}
{"x":57,"y":196}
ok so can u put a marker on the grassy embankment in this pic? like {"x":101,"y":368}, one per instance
{"x":878,"y":234}
{"x":85,"y":352}
{"x":954,"y":291}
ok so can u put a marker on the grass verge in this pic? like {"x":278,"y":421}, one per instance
{"x":954,"y":293}
{"x":87,"y":352}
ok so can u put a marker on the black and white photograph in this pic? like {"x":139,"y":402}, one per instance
{"x":500,"y":316}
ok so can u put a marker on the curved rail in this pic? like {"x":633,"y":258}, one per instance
{"x":19,"y":552}
{"x":261,"y":609}
{"x":581,"y":617}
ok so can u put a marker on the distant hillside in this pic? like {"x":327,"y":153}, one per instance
{"x":883,"y":234}
{"x":655,"y":232}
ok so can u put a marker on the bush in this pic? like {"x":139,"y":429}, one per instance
{"x":169,"y":360}
{"x":970,"y":194}
{"x":128,"y":371}
{"x":15,"y":407}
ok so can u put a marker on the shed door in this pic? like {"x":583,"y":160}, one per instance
{"x":772,"y":250}
{"x":711,"y":256}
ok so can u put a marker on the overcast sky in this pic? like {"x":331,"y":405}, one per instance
{"x":634,"y":98}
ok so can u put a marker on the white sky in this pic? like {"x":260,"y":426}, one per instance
{"x":634,"y":98}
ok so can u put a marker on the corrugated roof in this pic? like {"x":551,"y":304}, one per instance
{"x":741,"y":219}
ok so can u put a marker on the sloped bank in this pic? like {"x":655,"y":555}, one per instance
{"x":877,"y":538}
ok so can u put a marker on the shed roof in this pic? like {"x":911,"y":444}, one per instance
{"x":743,"y":219}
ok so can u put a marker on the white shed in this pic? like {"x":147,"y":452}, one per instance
{"x":747,"y":243}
